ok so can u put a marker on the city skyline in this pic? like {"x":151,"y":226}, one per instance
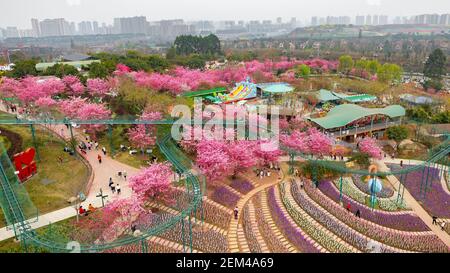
{"x":104,"y":11}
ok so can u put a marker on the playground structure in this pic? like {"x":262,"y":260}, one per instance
{"x":19,"y":209}
{"x":243,"y":91}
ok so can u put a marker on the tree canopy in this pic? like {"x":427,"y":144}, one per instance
{"x":189,"y":44}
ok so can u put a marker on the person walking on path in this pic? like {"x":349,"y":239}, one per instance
{"x":113,"y":188}
{"x":358,"y":213}
{"x":443,"y":226}
{"x":96,"y":145}
{"x":111,"y":183}
{"x":104,"y":150}
{"x":118,"y":189}
{"x":348,"y":207}
{"x":236,"y":212}
{"x":434,"y":220}
{"x":124,"y":173}
{"x":99,"y":157}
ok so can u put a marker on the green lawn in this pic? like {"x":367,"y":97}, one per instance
{"x":54,"y":182}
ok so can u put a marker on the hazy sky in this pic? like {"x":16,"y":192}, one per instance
{"x":19,"y":12}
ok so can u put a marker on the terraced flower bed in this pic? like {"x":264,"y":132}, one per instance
{"x":272,"y":241}
{"x":249,"y":234}
{"x":349,"y":189}
{"x":385,"y":192}
{"x":205,"y":240}
{"x":437,"y":201}
{"x":332,"y":224}
{"x":401,"y":221}
{"x":289,"y":231}
{"x":420,"y":242}
{"x":225,"y":197}
{"x":242,"y":186}
{"x":211,"y":214}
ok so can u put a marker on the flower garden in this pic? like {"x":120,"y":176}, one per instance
{"x":278,"y":210}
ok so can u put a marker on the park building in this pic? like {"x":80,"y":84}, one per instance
{"x":350,"y":121}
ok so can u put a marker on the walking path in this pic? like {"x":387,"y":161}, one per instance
{"x":235,"y":224}
{"x":102,"y":172}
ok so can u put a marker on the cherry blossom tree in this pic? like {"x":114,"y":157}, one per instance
{"x":370,"y":147}
{"x":213,"y":159}
{"x":153,"y":182}
{"x":98,"y":87}
{"x":142,"y":135}
{"x":73,"y":85}
{"x":241,"y":155}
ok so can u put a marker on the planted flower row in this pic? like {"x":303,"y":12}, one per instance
{"x":320,"y":236}
{"x":421,"y":242}
{"x":385,"y":192}
{"x":349,"y":189}
{"x":249,"y":234}
{"x":289,"y":231}
{"x":272,"y":241}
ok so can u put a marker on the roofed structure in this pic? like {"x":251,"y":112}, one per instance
{"x":344,"y":114}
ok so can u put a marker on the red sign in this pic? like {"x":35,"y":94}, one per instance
{"x":25,"y":164}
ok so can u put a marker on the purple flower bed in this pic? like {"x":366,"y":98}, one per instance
{"x":291,"y":233}
{"x":405,"y":221}
{"x":242,"y":186}
{"x":408,"y":241}
{"x":224,"y":196}
{"x":385,"y":192}
{"x":332,"y":224}
{"x":437,"y":201}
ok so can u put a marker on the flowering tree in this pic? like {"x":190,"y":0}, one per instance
{"x":266,"y":152}
{"x":98,"y":87}
{"x":124,"y":212}
{"x":142,"y":135}
{"x":73,"y":85}
{"x":241,"y":156}
{"x":370,"y":147}
{"x":153,"y":182}
{"x":318,"y":143}
{"x":213,"y":159}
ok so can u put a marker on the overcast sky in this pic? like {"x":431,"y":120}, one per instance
{"x":19,"y":12}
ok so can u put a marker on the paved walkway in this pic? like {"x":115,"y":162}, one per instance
{"x":102,"y":172}
{"x":235,"y":224}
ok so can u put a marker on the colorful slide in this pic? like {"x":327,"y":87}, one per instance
{"x":242,"y":91}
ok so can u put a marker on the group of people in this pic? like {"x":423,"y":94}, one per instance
{"x":84,"y":212}
{"x":349,"y":209}
{"x":266,"y":171}
{"x":435,"y":222}
{"x":114,"y":188}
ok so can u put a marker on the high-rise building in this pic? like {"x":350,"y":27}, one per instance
{"x":314,"y":21}
{"x":444,"y":20}
{"x":85,"y":28}
{"x":55,"y":27}
{"x":35,"y":27}
{"x":360,"y":20}
{"x":279,"y":20}
{"x":368,"y":20}
{"x":134,"y":25}
{"x":12,"y":32}
{"x":383,"y":19}
{"x":95,"y":28}
{"x":375,"y":20}
{"x":397,"y":20}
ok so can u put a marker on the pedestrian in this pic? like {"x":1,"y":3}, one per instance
{"x":99,"y":157}
{"x":358,"y":213}
{"x":104,"y":150}
{"x":96,"y":145}
{"x":113,"y":188}
{"x":124,"y":173}
{"x":110,"y":182}
{"x":236,"y":212}
{"x":443,"y":225}
{"x":401,"y":163}
{"x":268,"y":173}
{"x":118,"y":189}
{"x":434,"y":220}
{"x":348,"y":206}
